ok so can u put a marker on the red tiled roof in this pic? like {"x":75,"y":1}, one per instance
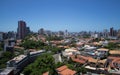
{"x":80,"y":59}
{"x":67,"y":72}
{"x":114,"y":51}
{"x":114,"y":60}
{"x":83,"y":59}
{"x":61,"y":68}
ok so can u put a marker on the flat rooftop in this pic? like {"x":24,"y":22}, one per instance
{"x":102,"y":49}
{"x":35,"y":52}
{"x":19,"y":58}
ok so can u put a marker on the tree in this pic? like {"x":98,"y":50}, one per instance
{"x":112,"y":46}
{"x":78,"y":69}
{"x":28,"y":70}
{"x":71,"y":66}
{"x":1,"y":48}
{"x":53,"y":71}
{"x":35,"y":71}
{"x":81,"y":70}
{"x":59,"y":64}
{"x":6,"y":56}
{"x":42,"y":64}
{"x":70,"y":61}
{"x":50,"y":38}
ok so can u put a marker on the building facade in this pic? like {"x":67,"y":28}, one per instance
{"x":22,"y":30}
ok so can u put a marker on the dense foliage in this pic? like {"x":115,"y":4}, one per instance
{"x":1,"y":46}
{"x":6,"y":56}
{"x":50,"y":38}
{"x":18,"y":51}
{"x":96,"y":40}
{"x":112,"y":46}
{"x":31,"y":44}
{"x":43,"y":64}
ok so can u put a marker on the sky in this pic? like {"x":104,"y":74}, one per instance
{"x":56,"y":15}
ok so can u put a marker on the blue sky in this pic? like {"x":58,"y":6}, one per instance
{"x":55,"y":15}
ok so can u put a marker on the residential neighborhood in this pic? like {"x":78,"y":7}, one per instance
{"x":59,"y":37}
{"x":69,"y":55}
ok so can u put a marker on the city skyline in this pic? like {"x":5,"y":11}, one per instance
{"x":55,"y":15}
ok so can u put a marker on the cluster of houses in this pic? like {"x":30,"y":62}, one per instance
{"x":104,"y":60}
{"x":95,"y":60}
{"x":87,"y":53}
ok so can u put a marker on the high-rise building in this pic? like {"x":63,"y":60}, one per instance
{"x":21,"y":29}
{"x":111,"y":31}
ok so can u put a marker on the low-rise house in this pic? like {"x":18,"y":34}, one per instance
{"x":114,"y":62}
{"x":9,"y":45}
{"x":79,"y":58}
{"x":114,"y":52}
{"x":102,"y":52}
{"x":18,"y":42}
{"x":88,"y":60}
{"x":114,"y":65}
{"x":63,"y":70}
{"x":69,"y":52}
{"x":60,"y":46}
{"x":18,"y":47}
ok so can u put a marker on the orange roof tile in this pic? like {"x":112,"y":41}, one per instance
{"x":114,"y":60}
{"x":67,"y":72}
{"x":61,"y":68}
{"x":80,"y":59}
{"x":114,"y":51}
